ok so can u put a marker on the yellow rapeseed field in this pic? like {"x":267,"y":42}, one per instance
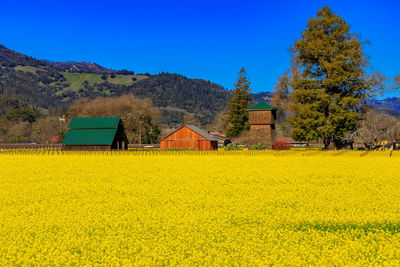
{"x":198,"y":208}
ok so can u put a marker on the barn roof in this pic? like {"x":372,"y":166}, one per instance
{"x":197,"y":130}
{"x":218,"y":135}
{"x":94,"y":123}
{"x":89,"y":137}
{"x":261,"y":106}
{"x":202,"y":132}
{"x":91,"y":131}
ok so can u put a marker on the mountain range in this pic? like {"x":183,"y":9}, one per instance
{"x":391,"y":105}
{"x":55,"y":85}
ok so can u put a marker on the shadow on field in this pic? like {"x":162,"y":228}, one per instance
{"x":365,"y":153}
{"x":393,"y":228}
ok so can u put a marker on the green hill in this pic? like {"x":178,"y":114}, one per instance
{"x":26,"y":81}
{"x":76,"y":81}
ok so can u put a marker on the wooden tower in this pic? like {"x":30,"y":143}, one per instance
{"x":262,"y":118}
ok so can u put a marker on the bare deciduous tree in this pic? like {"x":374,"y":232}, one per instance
{"x":139,"y":116}
{"x":220,"y":123}
{"x":190,"y":118}
{"x":19,"y":132}
{"x":374,"y":128}
{"x":44,"y":128}
{"x":281,"y":99}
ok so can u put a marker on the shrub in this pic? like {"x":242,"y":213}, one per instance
{"x":182,"y":149}
{"x":232,"y":146}
{"x":259,"y":146}
{"x":280,"y":145}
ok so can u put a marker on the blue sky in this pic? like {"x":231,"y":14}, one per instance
{"x":205,"y":39}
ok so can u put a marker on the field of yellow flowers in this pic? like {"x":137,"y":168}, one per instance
{"x":198,"y":208}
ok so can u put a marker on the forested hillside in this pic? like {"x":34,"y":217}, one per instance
{"x":199,"y":97}
{"x":39,"y":84}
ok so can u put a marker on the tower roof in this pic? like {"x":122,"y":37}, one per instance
{"x":262,"y":106}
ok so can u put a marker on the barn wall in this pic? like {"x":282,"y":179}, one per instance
{"x":87,"y":148}
{"x":183,"y":144}
{"x":184,"y":133}
{"x":120,"y":141}
{"x":214,"y":145}
{"x":262,"y":116}
{"x":186,"y":138}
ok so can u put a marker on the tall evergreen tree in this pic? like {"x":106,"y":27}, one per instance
{"x":238,"y":115}
{"x":332,"y":80}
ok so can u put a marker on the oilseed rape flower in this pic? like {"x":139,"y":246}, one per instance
{"x":200,"y":208}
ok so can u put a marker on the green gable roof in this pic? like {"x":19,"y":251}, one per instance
{"x":91,"y":131}
{"x":261,"y":106}
{"x":89,"y":137}
{"x":94,"y":123}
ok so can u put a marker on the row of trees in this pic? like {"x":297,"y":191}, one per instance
{"x":40,"y":130}
{"x":25,"y":124}
{"x":323,"y":96}
{"x":139,"y":116}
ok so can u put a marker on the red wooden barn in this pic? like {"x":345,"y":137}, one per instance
{"x":189,"y":137}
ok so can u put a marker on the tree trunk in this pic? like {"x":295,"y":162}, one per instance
{"x":140,"y":135}
{"x":327,"y":142}
{"x":367,"y":146}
